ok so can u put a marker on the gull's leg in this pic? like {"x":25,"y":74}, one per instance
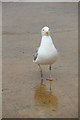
{"x":50,"y":79}
{"x":50,"y":75}
{"x":41,"y":74}
{"x":50,"y":71}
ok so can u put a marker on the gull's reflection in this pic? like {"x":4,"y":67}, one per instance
{"x":45,"y":98}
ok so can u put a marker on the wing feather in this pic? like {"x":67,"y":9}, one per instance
{"x":36,"y":54}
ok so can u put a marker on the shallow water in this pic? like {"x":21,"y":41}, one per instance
{"x":23,"y":94}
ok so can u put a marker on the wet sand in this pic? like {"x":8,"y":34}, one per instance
{"x":0,"y":60}
{"x":23,"y":95}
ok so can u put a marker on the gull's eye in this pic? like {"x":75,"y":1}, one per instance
{"x":43,"y":29}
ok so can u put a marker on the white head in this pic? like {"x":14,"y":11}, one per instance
{"x":45,"y":31}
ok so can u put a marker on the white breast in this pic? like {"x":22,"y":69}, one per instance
{"x":47,"y":53}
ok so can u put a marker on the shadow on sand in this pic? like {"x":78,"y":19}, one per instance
{"x":45,"y":98}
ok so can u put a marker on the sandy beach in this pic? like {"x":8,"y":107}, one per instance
{"x":23,"y":96}
{"x":0,"y":60}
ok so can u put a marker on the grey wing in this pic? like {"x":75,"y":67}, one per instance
{"x":36,"y":54}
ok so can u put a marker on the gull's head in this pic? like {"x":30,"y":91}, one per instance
{"x":45,"y":31}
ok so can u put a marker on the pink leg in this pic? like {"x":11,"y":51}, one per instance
{"x":50,"y":79}
{"x":41,"y":75}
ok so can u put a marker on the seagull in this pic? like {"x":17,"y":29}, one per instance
{"x":46,"y":53}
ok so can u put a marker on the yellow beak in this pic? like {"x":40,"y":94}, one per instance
{"x":47,"y":32}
